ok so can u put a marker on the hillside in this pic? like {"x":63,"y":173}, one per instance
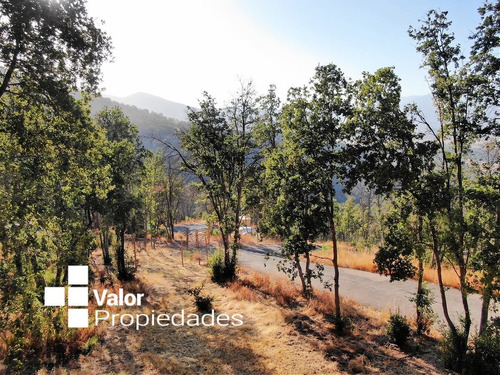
{"x":149,"y":123}
{"x":154,"y":103}
{"x":282,"y":333}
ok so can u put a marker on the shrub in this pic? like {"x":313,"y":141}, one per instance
{"x":398,"y":330}
{"x":219,"y":270}
{"x":453,"y":349}
{"x":203,"y":304}
{"x":343,"y":324}
{"x":485,"y":359}
{"x":424,"y":302}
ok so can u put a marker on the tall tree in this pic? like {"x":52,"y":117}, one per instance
{"x":298,"y":213}
{"x":49,"y":163}
{"x":219,"y":151}
{"x":125,"y":156}
{"x":49,"y":48}
{"x":460,"y":125}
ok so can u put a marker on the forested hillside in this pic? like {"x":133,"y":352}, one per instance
{"x":149,"y":123}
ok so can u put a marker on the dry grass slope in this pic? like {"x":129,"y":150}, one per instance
{"x":282,"y":333}
{"x":350,"y":257}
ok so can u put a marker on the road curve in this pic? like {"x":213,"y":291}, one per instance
{"x":366,"y":288}
{"x":369,"y":289}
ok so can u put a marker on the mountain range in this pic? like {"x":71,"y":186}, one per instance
{"x":156,"y":116}
{"x":152,"y":115}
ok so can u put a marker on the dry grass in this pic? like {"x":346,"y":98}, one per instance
{"x":251,"y":240}
{"x":350,"y":257}
{"x":282,"y":332}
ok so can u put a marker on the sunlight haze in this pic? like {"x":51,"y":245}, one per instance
{"x":177,"y":50}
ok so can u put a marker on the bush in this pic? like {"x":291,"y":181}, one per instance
{"x":203,"y":304}
{"x":398,"y":330}
{"x":424,"y":302}
{"x":343,"y":325}
{"x":220,"y":271}
{"x":453,"y":349}
{"x":485,"y":359}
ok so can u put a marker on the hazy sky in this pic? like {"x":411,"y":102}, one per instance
{"x":178,"y":49}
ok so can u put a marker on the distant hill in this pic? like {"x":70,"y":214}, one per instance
{"x":155,"y":104}
{"x":148,"y":122}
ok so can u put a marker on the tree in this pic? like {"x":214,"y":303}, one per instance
{"x":485,"y":65}
{"x":330,"y":107}
{"x":49,"y":165}
{"x":462,"y":122}
{"x":268,"y":133}
{"x":171,"y":194}
{"x":298,"y":212}
{"x":389,"y":156}
{"x":152,"y":182}
{"x":125,"y":156}
{"x":49,"y":49}
{"x":483,"y":195}
{"x":48,"y":170}
{"x":219,"y":151}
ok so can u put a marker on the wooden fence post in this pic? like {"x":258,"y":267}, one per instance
{"x":187,"y":239}
{"x":135,"y":253}
{"x":182,"y":255}
{"x":206,"y":248}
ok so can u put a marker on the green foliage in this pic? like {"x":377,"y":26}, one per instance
{"x":398,"y":330}
{"x":424,"y":301}
{"x":394,"y":259}
{"x":485,"y":357}
{"x":343,"y":324}
{"x":124,"y":154}
{"x":453,"y":349}
{"x":219,"y":151}
{"x":203,"y":304}
{"x":221,"y":271}
{"x":89,"y":344}
{"x":50,"y":48}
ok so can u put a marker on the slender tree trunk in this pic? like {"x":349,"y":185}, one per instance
{"x":10,"y":70}
{"x":420,"y":280}
{"x":301,"y":274}
{"x":308,"y":275}
{"x":236,"y":239}
{"x":435,"y":249}
{"x":122,"y":270}
{"x":225,"y":242}
{"x":145,"y":229}
{"x":485,"y":307}
{"x":420,"y":322}
{"x":335,"y":261}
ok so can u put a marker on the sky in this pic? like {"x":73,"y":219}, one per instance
{"x":178,"y":49}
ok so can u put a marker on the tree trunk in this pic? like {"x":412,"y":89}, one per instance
{"x":120,"y":256}
{"x":444,"y":303}
{"x":236,"y":239}
{"x":308,"y":275}
{"x":485,"y":307}
{"x":335,"y":267}
{"x":420,"y":322}
{"x":301,"y":274}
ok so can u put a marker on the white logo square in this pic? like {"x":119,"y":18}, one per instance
{"x":54,"y":296}
{"x":78,"y":275}
{"x":78,"y":296}
{"x":78,"y":318}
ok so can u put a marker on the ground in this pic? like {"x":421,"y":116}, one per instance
{"x":278,"y":336}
